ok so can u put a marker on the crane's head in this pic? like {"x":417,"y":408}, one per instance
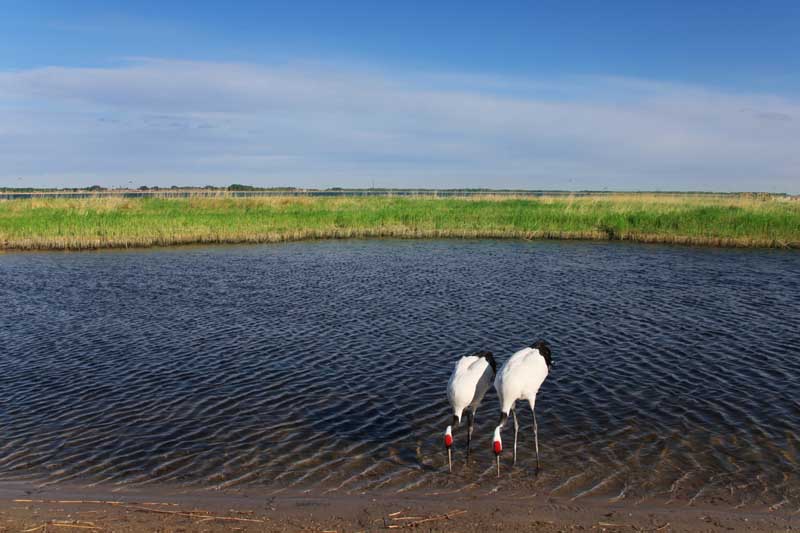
{"x":497,"y":442}
{"x":448,"y":443}
{"x":497,"y":447}
{"x":448,"y":439}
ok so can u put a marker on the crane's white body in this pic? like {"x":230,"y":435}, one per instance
{"x":520,"y":379}
{"x":471,"y":378}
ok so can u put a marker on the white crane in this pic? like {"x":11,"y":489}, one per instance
{"x":471,"y":378}
{"x":520,"y":379}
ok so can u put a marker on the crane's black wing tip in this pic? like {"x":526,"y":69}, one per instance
{"x":544,"y":349}
{"x":489,"y":358}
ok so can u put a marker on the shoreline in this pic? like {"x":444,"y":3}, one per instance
{"x":24,"y":506}
{"x":116,"y":222}
{"x":44,"y":245}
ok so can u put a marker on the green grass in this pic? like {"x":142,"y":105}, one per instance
{"x":74,"y":224}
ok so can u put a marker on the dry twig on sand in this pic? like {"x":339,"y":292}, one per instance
{"x":61,"y":523}
{"x":197,"y":515}
{"x":659,"y":528}
{"x":96,"y":502}
{"x":72,"y":525}
{"x":636,"y":528}
{"x":201,"y":515}
{"x":421,"y":520}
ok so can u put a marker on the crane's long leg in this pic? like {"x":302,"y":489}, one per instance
{"x":516,"y":432}
{"x":536,"y":436}
{"x":470,"y":423}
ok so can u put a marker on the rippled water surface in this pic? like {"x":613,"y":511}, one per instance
{"x":324,"y":365}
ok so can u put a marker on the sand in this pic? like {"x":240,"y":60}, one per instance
{"x":25,"y":507}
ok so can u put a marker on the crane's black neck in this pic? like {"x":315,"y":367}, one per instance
{"x":544,"y":351}
{"x":489,"y":359}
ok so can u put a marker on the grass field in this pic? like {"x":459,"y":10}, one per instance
{"x":116,"y":222}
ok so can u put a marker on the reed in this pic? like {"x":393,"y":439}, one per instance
{"x":115,"y":222}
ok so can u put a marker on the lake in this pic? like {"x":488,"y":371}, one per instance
{"x":323,"y":365}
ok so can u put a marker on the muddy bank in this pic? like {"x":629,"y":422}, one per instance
{"x":25,"y":507}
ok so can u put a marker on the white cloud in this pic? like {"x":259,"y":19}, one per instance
{"x":161,"y":122}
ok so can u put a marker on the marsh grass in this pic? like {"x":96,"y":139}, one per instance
{"x":117,"y":222}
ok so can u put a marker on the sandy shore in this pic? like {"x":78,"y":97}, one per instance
{"x":27,"y":508}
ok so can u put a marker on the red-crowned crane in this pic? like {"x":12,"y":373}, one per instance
{"x":471,"y":378}
{"x":520,"y":379}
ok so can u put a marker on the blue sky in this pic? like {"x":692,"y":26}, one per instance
{"x":617,"y":95}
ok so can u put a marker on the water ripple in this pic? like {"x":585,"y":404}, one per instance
{"x":324,"y":365}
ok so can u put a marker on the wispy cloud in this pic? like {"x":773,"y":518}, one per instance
{"x":309,"y":124}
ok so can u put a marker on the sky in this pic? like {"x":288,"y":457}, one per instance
{"x":534,"y":95}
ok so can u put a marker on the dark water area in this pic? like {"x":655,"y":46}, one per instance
{"x":324,"y":365}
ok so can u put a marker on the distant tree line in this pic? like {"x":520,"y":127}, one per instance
{"x":238,"y":187}
{"x":100,"y":188}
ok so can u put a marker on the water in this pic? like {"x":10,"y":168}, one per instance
{"x":323,"y":365}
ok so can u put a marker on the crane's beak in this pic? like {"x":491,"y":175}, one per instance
{"x":498,"y":464}
{"x":449,"y":461}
